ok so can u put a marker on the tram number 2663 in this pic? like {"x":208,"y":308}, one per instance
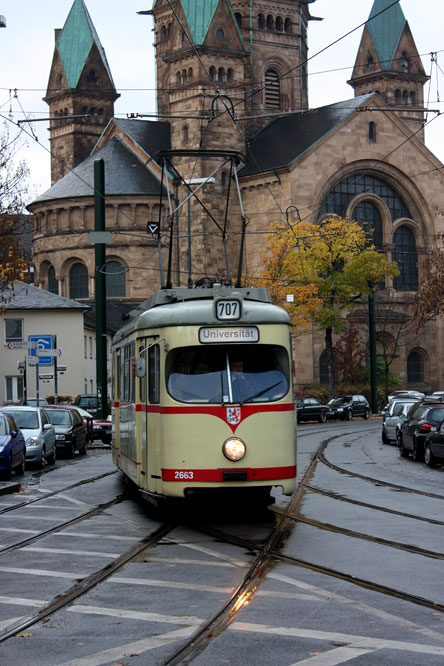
{"x":228,"y":309}
{"x":178,"y":476}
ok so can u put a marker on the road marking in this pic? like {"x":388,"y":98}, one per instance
{"x":173,"y":584}
{"x":64,"y":551}
{"x":334,"y":657}
{"x":15,"y":529}
{"x":130,"y":648}
{"x":136,"y":615}
{"x":89,"y":535}
{"x":43,"y":572}
{"x":6,"y":623}
{"x":20,"y":601}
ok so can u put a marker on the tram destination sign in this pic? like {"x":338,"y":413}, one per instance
{"x":228,"y":334}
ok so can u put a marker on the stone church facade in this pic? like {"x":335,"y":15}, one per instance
{"x":232,"y":97}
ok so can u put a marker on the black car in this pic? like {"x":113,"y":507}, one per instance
{"x":345,"y":407}
{"x":310,"y":409}
{"x":89,"y":402}
{"x":424,"y":418}
{"x":71,"y":431}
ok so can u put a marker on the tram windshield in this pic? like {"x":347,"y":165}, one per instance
{"x":232,"y":374}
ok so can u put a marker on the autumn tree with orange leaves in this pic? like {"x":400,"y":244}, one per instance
{"x":13,"y":178}
{"x":429,"y":300}
{"x":327,"y":267}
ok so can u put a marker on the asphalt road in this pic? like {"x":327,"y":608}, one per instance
{"x":356,"y":578}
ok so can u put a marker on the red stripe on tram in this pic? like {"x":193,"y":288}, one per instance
{"x":253,"y":474}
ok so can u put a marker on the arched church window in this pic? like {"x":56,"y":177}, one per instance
{"x":163,"y":33}
{"x":261,"y":22}
{"x":92,"y":77}
{"x":272,"y":89}
{"x":369,"y":217}
{"x":339,"y":197}
{"x":406,"y":257}
{"x":178,"y":78}
{"x":413,"y":98}
{"x":220,"y":34}
{"x":212,"y":73}
{"x":288,"y":26}
{"x":238,"y":17}
{"x":404,"y":62}
{"x":184,"y":77}
{"x":53,"y":284}
{"x":405,"y":96}
{"x":397,"y":97}
{"x":115,"y":280}
{"x":190,"y":75}
{"x":230,"y":75}
{"x":61,"y":80}
{"x":415,"y":368}
{"x":223,"y":179}
{"x":270,"y":22}
{"x":185,"y":134}
{"x":220,"y":75}
{"x":372,"y":132}
{"x":279,"y":24}
{"x":370,"y":62}
{"x":78,"y":281}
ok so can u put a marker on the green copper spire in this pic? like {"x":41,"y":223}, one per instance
{"x":199,"y":14}
{"x":75,"y":42}
{"x":386,"y":30}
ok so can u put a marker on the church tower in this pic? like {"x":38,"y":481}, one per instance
{"x":80,"y":93}
{"x":388,"y":63}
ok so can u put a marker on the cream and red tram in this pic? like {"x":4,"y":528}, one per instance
{"x":203,"y":394}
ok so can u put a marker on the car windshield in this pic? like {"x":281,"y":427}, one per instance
{"x":25,"y":419}
{"x":2,"y":426}
{"x":88,"y":402}
{"x":337,"y":402}
{"x":222,"y":374}
{"x":59,"y":417}
{"x":436,"y":415}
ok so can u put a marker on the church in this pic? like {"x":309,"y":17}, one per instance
{"x":235,"y":126}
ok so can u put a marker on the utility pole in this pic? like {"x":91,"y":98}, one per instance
{"x":100,"y":284}
{"x":372,"y":345}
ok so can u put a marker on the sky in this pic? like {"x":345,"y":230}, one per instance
{"x":27,"y":46}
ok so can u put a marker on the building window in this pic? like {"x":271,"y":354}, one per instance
{"x":115,"y":280}
{"x":372,"y":132}
{"x":230,"y":75}
{"x":78,"y":281}
{"x":13,"y":330}
{"x":220,"y":75}
{"x":288,"y":26}
{"x":223,"y":179}
{"x":272,"y":89}
{"x":412,"y":98}
{"x":397,"y":97}
{"x":406,"y":258}
{"x":270,"y":22}
{"x":370,"y":62}
{"x":405,"y":97}
{"x":369,"y":218}
{"x":238,"y":17}
{"x":261,"y":22}
{"x":53,"y":284}
{"x":185,"y":134}
{"x":220,"y":34}
{"x":14,"y":389}
{"x":279,"y":24}
{"x":415,"y":368}
{"x":212,"y":73}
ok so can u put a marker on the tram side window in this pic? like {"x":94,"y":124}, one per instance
{"x":115,"y":387}
{"x":154,"y":374}
{"x":129,"y":375}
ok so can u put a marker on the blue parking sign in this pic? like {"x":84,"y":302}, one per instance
{"x":43,"y":342}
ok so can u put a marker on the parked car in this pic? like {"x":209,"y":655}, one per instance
{"x":345,"y":407}
{"x":310,"y":409}
{"x":404,"y":393}
{"x":97,"y":428}
{"x":38,"y":431}
{"x":12,"y":447}
{"x":424,"y":418}
{"x":87,"y":401}
{"x":393,"y":418}
{"x":434,"y":446}
{"x":70,"y":430}
{"x":33,"y":402}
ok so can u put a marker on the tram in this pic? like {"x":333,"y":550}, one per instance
{"x":203,"y":394}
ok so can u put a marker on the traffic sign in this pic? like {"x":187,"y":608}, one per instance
{"x":43,"y":342}
{"x":62,"y":368}
{"x":22,"y":345}
{"x":49,"y":352}
{"x":46,"y":377}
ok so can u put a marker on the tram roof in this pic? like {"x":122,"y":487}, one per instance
{"x":187,"y":307}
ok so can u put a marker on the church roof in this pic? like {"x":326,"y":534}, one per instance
{"x":75,"y":42}
{"x":199,"y":14}
{"x":386,"y":30}
{"x":285,"y":139}
{"x":125,"y":173}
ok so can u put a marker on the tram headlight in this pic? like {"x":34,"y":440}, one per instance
{"x":234,"y":449}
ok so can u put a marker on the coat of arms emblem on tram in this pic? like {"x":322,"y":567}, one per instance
{"x":233,"y":415}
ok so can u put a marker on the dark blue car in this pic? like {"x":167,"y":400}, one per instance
{"x":12,"y":447}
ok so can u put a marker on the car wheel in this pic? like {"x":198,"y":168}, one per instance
{"x":107,"y":440}
{"x":43,"y":460}
{"x":83,"y":451}
{"x":20,"y":469}
{"x":384,"y":437}
{"x":71,"y":450}
{"x":417,"y":453}
{"x":367,"y":414}
{"x":349,"y":415}
{"x":402,"y":451}
{"x":428,"y":455}
{"x":52,"y":457}
{"x":323,"y":417}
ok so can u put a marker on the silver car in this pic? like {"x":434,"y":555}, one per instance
{"x":393,"y":418}
{"x":38,"y":431}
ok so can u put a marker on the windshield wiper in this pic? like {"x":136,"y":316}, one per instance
{"x":256,"y":395}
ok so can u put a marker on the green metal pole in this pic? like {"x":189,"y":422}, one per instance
{"x":372,"y":344}
{"x":100,"y":283}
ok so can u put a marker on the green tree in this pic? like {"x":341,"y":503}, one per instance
{"x":327,"y":266}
